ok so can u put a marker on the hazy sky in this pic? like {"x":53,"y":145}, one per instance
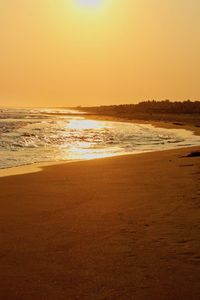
{"x":67,"y":52}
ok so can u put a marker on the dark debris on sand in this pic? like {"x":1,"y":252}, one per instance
{"x":193,"y":154}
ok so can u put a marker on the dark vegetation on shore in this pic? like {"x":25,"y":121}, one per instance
{"x":186,"y":111}
{"x":167,"y":107}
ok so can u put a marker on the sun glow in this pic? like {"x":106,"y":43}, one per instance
{"x":89,"y":3}
{"x":89,"y":10}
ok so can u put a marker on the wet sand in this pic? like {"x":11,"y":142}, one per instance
{"x":117,"y":228}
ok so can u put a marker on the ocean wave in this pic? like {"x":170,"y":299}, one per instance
{"x":29,"y":136}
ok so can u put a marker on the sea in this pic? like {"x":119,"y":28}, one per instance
{"x":29,"y":136}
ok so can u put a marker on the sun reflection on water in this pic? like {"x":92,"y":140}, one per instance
{"x":38,"y":136}
{"x":88,"y":153}
{"x":83,"y":124}
{"x":87,"y":147}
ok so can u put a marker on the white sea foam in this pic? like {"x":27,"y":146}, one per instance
{"x":37,"y":135}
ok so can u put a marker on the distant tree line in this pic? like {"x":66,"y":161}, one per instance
{"x":151,"y":107}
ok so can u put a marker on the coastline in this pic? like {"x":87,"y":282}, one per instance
{"x":157,"y":123}
{"x":30,"y":168}
{"x":111,"y":228}
{"x":37,"y":167}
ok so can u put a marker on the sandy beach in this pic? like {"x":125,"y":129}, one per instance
{"x":116,"y":228}
{"x":99,"y":150}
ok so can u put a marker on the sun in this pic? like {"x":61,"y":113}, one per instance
{"x":89,"y":10}
{"x":89,"y":3}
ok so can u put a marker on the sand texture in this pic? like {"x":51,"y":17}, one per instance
{"x":118,"y":228}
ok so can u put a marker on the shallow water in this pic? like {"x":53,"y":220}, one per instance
{"x":38,"y":135}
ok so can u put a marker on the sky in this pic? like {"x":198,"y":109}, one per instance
{"x":94,"y":52}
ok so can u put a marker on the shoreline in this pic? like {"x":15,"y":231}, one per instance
{"x":28,"y":169}
{"x":158,"y":124}
{"x":114,"y":228}
{"x":37,"y":167}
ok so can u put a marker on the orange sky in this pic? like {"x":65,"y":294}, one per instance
{"x":60,"y":53}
